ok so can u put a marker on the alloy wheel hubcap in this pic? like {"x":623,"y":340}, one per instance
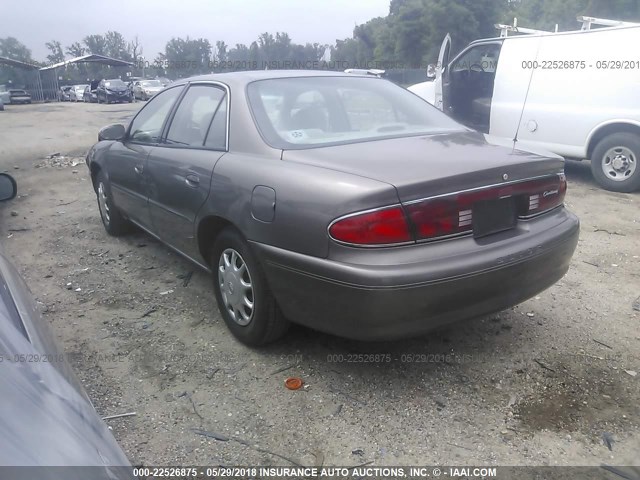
{"x":102,"y":202}
{"x":619,"y":163}
{"x":236,"y":286}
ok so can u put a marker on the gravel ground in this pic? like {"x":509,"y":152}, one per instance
{"x":550,"y":382}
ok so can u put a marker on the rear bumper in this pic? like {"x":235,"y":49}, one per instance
{"x":382,"y":295}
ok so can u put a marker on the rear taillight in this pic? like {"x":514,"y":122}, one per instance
{"x":446,"y":215}
{"x":378,"y":227}
{"x":441,"y":217}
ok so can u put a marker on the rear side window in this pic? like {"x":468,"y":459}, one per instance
{"x":147,"y":126}
{"x":193,"y":118}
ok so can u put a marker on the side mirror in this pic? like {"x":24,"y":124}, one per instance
{"x":8,"y":187}
{"x":431,"y":71}
{"x":112,"y":132}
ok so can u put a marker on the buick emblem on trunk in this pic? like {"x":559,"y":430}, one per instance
{"x":505,"y":177}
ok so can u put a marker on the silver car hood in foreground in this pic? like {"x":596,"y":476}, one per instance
{"x":46,"y":419}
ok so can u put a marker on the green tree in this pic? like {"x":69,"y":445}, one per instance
{"x":10,"y":47}
{"x":75,"y":50}
{"x":221,"y":51}
{"x":545,"y":14}
{"x":116,"y":46}
{"x":56,"y":55}
{"x":185,"y":57}
{"x":96,"y":44}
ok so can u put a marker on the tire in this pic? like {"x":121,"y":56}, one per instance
{"x":264,"y":322}
{"x":615,"y":162}
{"x":112,"y":220}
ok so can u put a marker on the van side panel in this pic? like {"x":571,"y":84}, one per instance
{"x":510,"y":85}
{"x":567,"y":103}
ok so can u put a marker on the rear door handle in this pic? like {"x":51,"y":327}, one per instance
{"x":139,"y":169}
{"x":192,"y":180}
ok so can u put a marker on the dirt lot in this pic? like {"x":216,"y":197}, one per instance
{"x":540,"y":384}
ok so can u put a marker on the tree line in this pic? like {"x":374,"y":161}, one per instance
{"x":408,"y":37}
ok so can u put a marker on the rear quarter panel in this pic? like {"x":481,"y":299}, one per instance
{"x":308,"y":198}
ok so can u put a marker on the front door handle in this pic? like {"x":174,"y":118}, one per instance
{"x":139,"y":169}
{"x":192,"y":180}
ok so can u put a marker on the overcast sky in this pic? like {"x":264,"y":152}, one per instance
{"x":35,"y":22}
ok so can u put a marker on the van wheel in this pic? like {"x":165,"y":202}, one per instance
{"x":242,"y":292}
{"x":614,"y":162}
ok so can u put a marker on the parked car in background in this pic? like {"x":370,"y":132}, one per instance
{"x":572,"y":93}
{"x":164,"y":81}
{"x":349,"y":205}
{"x":64,"y":94}
{"x":5,"y":97}
{"x":76,"y":94}
{"x":145,"y":89}
{"x":47,"y":418}
{"x":19,"y":96}
{"x":113,"y":90}
{"x":89,"y":96}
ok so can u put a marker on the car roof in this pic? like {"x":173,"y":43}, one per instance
{"x":253,"y":75}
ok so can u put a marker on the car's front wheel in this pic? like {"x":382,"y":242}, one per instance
{"x":614,"y":162}
{"x":245,"y":301}
{"x":114,"y":223}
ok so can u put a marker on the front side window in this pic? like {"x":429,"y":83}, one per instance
{"x":303,"y":112}
{"x":481,"y":58}
{"x":193,"y":117}
{"x":147,"y":126}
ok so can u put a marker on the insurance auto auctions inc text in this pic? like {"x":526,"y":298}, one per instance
{"x":376,"y":472}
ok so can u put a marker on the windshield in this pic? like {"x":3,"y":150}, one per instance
{"x":311,"y":111}
{"x":114,"y":83}
{"x":151,"y":83}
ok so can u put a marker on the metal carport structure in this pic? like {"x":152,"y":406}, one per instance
{"x":35,"y":82}
{"x":49,"y":74}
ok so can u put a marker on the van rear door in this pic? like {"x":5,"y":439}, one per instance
{"x":442,"y":84}
{"x":511,"y":85}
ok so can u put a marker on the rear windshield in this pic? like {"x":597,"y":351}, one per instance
{"x":114,"y":83}
{"x":151,"y":83}
{"x":303,"y":112}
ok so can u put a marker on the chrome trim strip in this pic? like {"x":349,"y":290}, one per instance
{"x":485,"y":187}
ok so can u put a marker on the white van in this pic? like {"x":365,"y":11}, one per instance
{"x":575,"y":93}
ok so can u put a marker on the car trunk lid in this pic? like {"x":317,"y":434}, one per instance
{"x":431,"y":165}
{"x":449,"y":185}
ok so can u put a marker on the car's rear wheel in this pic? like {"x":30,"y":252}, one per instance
{"x":114,"y":223}
{"x":245,"y":301}
{"x":614,"y":162}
